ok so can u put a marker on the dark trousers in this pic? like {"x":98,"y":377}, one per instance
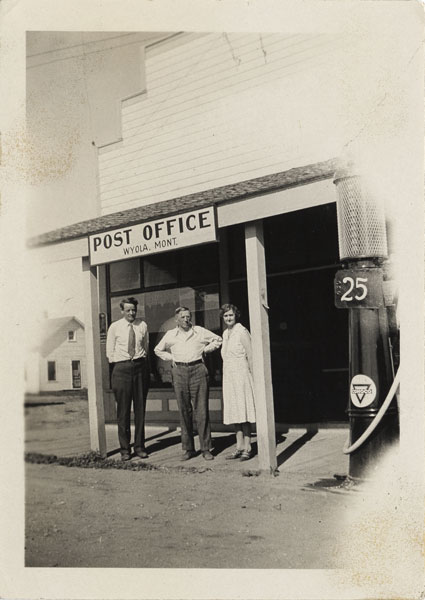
{"x":128,"y":386}
{"x":191,"y":387}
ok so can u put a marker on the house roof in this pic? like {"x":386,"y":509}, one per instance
{"x":51,"y":326}
{"x":214,"y":196}
{"x":44,"y":338}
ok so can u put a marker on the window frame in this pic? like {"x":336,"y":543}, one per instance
{"x":49,"y":379}
{"x":180,"y":283}
{"x":72,"y":374}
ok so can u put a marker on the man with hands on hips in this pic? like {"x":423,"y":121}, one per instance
{"x":184,"y":346}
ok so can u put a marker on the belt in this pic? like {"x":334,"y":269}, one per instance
{"x":132,"y":360}
{"x":189,"y":364}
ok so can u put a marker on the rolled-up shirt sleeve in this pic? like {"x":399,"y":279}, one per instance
{"x":213,"y":341}
{"x":161,"y":349}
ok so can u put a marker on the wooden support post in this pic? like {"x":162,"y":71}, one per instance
{"x":94,"y":368}
{"x":259,"y":323}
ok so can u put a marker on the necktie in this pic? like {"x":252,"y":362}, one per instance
{"x":131,"y":342}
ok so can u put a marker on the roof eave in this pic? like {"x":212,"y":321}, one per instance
{"x":214,"y":196}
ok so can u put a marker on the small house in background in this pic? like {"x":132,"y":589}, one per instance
{"x":59,"y":361}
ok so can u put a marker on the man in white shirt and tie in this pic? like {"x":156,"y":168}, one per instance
{"x":184,"y":346}
{"x":127,"y":347}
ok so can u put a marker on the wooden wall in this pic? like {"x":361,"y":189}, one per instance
{"x":221,"y":108}
{"x":63,"y":353}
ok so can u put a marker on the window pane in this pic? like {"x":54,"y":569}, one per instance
{"x":116,"y":311}
{"x":207,"y":314}
{"x":160,"y":269}
{"x":51,"y":371}
{"x":236,"y":251}
{"x":199,"y":264}
{"x":160,"y":308}
{"x":125,"y":275}
{"x":238,"y":295}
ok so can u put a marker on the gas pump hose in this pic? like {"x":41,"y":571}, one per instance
{"x":378,"y":417}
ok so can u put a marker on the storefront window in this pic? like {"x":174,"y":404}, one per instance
{"x":236,"y":251}
{"x":124,"y":275}
{"x":238,"y":295}
{"x":159,"y":269}
{"x":116,"y":310}
{"x":199,"y":264}
{"x":188,"y":277}
{"x":160,"y":308}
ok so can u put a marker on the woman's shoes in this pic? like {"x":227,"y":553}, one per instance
{"x":245,"y":455}
{"x":240,"y":454}
{"x":236,"y":454}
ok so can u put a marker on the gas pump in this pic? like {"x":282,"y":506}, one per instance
{"x":362,"y":286}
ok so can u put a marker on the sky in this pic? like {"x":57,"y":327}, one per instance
{"x":74,"y":83}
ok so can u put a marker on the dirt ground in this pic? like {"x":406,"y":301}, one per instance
{"x":172,"y":517}
{"x":114,"y":518}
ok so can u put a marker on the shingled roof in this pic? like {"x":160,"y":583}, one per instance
{"x":219,"y":195}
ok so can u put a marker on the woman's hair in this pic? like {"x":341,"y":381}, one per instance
{"x":227,"y":307}
{"x":130,"y":300}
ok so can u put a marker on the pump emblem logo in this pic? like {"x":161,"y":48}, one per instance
{"x":362,"y":391}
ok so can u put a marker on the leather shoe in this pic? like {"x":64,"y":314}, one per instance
{"x":207,"y":455}
{"x":188,"y":454}
{"x":142,"y":453}
{"x":246,"y":455}
{"x":236,"y":454}
{"x":125,"y":457}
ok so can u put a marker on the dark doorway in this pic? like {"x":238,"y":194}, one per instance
{"x":308,"y":335}
{"x":76,"y":374}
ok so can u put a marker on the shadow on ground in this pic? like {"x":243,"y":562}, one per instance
{"x":294,"y":447}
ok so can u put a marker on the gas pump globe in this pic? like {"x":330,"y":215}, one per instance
{"x":359,"y":287}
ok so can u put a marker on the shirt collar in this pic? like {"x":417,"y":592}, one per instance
{"x":124,"y":320}
{"x":180,"y":331}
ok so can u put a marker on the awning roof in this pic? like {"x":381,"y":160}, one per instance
{"x":219,"y":195}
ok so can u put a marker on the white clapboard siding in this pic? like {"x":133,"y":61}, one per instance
{"x":63,"y":353}
{"x":150,"y":121}
{"x":220,"y":108}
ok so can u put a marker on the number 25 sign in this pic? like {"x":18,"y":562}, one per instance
{"x":359,"y":288}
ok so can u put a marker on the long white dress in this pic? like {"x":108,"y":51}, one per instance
{"x":238,"y":386}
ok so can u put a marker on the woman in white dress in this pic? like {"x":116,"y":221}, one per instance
{"x":238,"y":386}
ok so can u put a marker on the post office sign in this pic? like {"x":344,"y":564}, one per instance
{"x":169,"y":233}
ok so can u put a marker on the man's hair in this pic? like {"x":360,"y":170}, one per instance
{"x":130,"y":300}
{"x":180,"y":309}
{"x":227,"y":307}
